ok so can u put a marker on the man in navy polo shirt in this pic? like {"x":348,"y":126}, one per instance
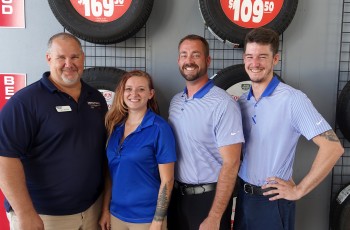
{"x":207,"y":125}
{"x":274,"y":116}
{"x":52,"y":146}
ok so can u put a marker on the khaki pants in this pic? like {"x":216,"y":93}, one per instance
{"x":87,"y":220}
{"x":117,"y":224}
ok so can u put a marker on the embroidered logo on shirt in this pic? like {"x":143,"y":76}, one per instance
{"x":94,"y":104}
{"x":318,"y":123}
{"x":234,"y":133}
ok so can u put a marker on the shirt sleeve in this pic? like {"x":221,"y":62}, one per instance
{"x":305,"y":118}
{"x":16,"y":129}
{"x":228,"y":123}
{"x":165,"y":149}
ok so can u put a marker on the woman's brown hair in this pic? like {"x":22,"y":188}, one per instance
{"x":119,"y":110}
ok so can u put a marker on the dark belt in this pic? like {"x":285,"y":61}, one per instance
{"x":193,"y":189}
{"x":253,"y":189}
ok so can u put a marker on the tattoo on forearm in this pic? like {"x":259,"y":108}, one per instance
{"x":162,"y":205}
{"x":330,"y":135}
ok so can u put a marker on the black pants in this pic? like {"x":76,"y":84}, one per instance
{"x":187,"y":212}
{"x":257,"y":212}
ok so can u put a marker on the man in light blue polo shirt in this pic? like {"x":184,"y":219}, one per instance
{"x":208,"y":129}
{"x":274,"y":116}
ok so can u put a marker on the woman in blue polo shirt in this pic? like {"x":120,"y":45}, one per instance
{"x":141,"y":155}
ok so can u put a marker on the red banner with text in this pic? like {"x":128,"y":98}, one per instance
{"x":10,"y":83}
{"x":12,"y":13}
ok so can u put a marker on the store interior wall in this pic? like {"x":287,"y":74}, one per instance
{"x":310,"y":63}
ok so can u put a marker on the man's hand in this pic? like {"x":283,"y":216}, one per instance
{"x":210,"y":223}
{"x":282,"y":189}
{"x":30,"y":222}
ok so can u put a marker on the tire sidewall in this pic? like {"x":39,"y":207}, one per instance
{"x":343,"y":111}
{"x":104,"y":33}
{"x":340,"y":210}
{"x":104,"y":79}
{"x":227,"y":31}
{"x":235,"y":80}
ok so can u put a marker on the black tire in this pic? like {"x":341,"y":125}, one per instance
{"x":105,"y":79}
{"x":234,"y":79}
{"x":340,"y":210}
{"x":114,"y":31}
{"x":227,"y":31}
{"x":343,"y":111}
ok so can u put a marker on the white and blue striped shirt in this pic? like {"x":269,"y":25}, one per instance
{"x":272,"y":126}
{"x":202,"y":124}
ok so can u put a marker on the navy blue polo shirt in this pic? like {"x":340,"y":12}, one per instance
{"x":60,"y":143}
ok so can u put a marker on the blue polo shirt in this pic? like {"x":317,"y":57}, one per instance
{"x":272,"y":127}
{"x":133,"y":166}
{"x":60,"y":143}
{"x":202,"y":124}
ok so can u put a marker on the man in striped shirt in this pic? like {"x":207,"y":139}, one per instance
{"x":274,"y":116}
{"x":207,"y":125}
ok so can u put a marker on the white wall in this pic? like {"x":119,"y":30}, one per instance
{"x":310,"y":63}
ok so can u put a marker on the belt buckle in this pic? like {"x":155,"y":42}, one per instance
{"x":248,"y":188}
{"x":204,"y":190}
{"x":183,"y":188}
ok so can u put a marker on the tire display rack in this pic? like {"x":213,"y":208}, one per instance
{"x":105,"y":64}
{"x":341,"y":171}
{"x":127,"y":55}
{"x":224,"y":55}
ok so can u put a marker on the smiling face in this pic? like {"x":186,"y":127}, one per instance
{"x":137,"y":92}
{"x":66,"y":61}
{"x":192,"y":61}
{"x":259,"y":62}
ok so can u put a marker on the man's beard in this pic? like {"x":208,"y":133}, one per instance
{"x":70,"y":81}
{"x":70,"y":78}
{"x":193,"y":77}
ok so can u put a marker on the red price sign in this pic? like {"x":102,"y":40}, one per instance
{"x":101,"y":11}
{"x":12,"y":13}
{"x":9,"y":85}
{"x":251,"y":13}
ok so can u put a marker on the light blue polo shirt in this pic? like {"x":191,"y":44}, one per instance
{"x":133,"y":166}
{"x":202,"y":124}
{"x":272,"y":127}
